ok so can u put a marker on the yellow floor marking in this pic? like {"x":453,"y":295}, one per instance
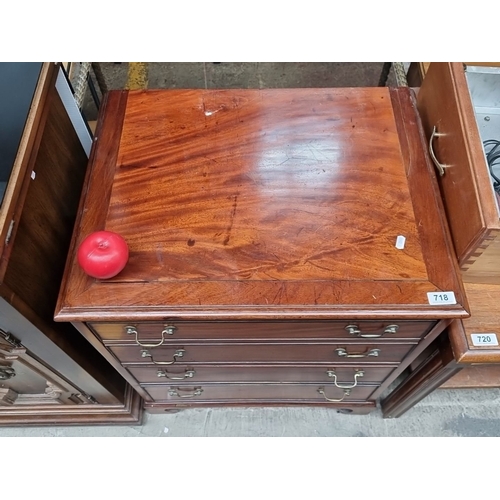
{"x":137,"y":78}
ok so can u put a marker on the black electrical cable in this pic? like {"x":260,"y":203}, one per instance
{"x":492,"y":151}
{"x":93,"y":91}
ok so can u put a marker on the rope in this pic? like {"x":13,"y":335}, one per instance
{"x":81,"y":83}
{"x":400,"y":74}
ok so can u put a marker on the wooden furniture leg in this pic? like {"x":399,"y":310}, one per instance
{"x":438,"y":366}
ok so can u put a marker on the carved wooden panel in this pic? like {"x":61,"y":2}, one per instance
{"x":26,"y":381}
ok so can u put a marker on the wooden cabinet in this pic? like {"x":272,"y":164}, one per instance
{"x":48,"y":373}
{"x":26,"y":382}
{"x":461,"y":103}
{"x":286,"y":246}
{"x":466,"y":355}
{"x":459,"y":107}
{"x":477,"y":339}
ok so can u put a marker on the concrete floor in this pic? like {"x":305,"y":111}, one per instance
{"x":444,"y":413}
{"x":249,"y":75}
{"x":457,"y":413}
{"x":243,"y":75}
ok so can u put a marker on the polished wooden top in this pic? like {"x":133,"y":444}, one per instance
{"x":274,"y":203}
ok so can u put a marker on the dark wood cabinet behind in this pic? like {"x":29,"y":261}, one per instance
{"x":38,"y":216}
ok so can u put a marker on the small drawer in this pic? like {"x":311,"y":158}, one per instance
{"x":263,"y":353}
{"x":189,"y":374}
{"x":241,"y":393}
{"x":149,"y":334}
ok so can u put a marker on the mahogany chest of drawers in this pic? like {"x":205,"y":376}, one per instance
{"x":287,"y":247}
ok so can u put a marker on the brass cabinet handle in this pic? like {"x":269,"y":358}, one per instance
{"x":355,"y":330}
{"x":344,"y":354}
{"x":177,"y":354}
{"x":132,"y":330}
{"x":358,"y":373}
{"x":347,"y":392}
{"x":164,"y":373}
{"x":440,"y":167}
{"x":6,"y":372}
{"x":175,"y":393}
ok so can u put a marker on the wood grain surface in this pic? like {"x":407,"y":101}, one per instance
{"x":270,"y":330}
{"x":246,"y":352}
{"x":484,"y":300}
{"x":255,"y":393}
{"x":263,"y":203}
{"x":438,"y":366}
{"x":474,"y":377}
{"x":17,"y":187}
{"x":259,"y":373}
{"x":252,"y":187}
{"x":40,"y":246}
{"x":444,"y":101}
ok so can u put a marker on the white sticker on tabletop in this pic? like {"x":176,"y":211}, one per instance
{"x":440,"y":298}
{"x":400,"y":242}
{"x":479,"y":339}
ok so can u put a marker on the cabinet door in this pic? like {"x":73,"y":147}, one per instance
{"x":446,"y":108}
{"x":25,"y":381}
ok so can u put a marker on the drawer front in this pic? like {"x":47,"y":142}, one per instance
{"x":300,"y":393}
{"x":444,"y":102}
{"x":263,"y":353}
{"x":189,"y":374}
{"x":158,"y":333}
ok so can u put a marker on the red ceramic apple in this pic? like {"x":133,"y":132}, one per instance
{"x":103,"y":254}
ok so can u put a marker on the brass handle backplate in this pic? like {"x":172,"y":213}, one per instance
{"x":6,"y":372}
{"x":347,"y":392}
{"x":355,"y":330}
{"x":166,"y":374}
{"x":179,"y":353}
{"x":344,"y":354}
{"x":132,"y":330}
{"x":357,"y":374}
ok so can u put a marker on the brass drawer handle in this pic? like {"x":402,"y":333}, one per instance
{"x":132,"y":330}
{"x":344,"y":354}
{"x":164,"y":373}
{"x":436,"y":162}
{"x":347,"y":392}
{"x":332,"y":374}
{"x":175,"y":393}
{"x":354,"y":330}
{"x":177,"y":354}
{"x":6,"y":372}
